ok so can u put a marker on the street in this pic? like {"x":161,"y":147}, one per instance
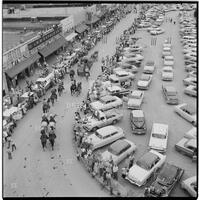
{"x":33,"y":172}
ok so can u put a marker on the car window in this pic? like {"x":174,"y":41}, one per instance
{"x":159,"y":136}
{"x":107,"y":136}
{"x":114,"y":133}
{"x":125,"y":149}
{"x":98,"y":135}
{"x":190,"y":147}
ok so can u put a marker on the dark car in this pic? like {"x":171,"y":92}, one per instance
{"x":165,"y":181}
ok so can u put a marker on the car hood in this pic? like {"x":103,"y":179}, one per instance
{"x":137,"y":173}
{"x":97,"y":105}
{"x":142,"y":83}
{"x":159,"y":143}
{"x":95,"y":139}
{"x":134,"y":102}
{"x":91,"y":121}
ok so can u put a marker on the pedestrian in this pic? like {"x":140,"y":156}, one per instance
{"x":9,"y":154}
{"x":131,"y":162}
{"x":9,"y":141}
{"x":115,"y":172}
{"x":108,"y":178}
{"x":78,"y":155}
{"x":13,"y":145}
{"x":124,"y":172}
{"x":52,"y":137}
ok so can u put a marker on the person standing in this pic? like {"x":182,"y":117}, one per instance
{"x":13,"y":145}
{"x":115,"y":172}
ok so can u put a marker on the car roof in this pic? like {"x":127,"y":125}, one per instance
{"x":119,"y":145}
{"x":137,"y":113}
{"x":168,"y":56}
{"x":148,"y":159}
{"x":192,"y":142}
{"x":136,"y":93}
{"x":160,"y":128}
{"x":113,"y":77}
{"x":168,"y":173}
{"x":107,"y":98}
{"x":107,"y":130}
{"x":168,"y":67}
{"x":145,"y":76}
{"x":114,"y":87}
{"x":150,"y":62}
{"x":170,"y":88}
{"x":189,"y":108}
{"x":121,"y":72}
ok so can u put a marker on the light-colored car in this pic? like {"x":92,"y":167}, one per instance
{"x":117,"y":91}
{"x":167,"y":45}
{"x":169,"y":60}
{"x":135,"y":99}
{"x":187,"y":112}
{"x":123,"y":75}
{"x":159,"y":137}
{"x":191,"y":67}
{"x":187,"y":146}
{"x":106,"y":102}
{"x":157,"y":31}
{"x":119,"y":150}
{"x":144,"y":167}
{"x":192,"y":73}
{"x":170,"y":94}
{"x":190,"y":185}
{"x":128,"y":68}
{"x":191,"y":90}
{"x":149,"y":67}
{"x":167,"y":73}
{"x":191,"y":134}
{"x":138,"y":123}
{"x":46,"y":82}
{"x":166,"y":51}
{"x":104,"y":136}
{"x":144,"y":81}
{"x":102,"y":119}
{"x":190,"y":81}
{"x":136,"y":47}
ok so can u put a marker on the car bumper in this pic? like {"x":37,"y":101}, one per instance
{"x":159,"y":149}
{"x":167,"y":78}
{"x":133,"y":182}
{"x":142,"y":87}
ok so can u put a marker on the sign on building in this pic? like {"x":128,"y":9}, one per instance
{"x":67,"y":23}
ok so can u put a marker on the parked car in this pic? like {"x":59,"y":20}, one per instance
{"x":123,"y":75}
{"x":128,"y":68}
{"x":187,"y":112}
{"x":135,"y":99}
{"x":144,"y":167}
{"x":167,"y":73}
{"x":191,"y":134}
{"x":165,"y":181}
{"x":169,"y":60}
{"x":102,"y":119}
{"x":190,"y":81}
{"x":167,"y":45}
{"x":190,"y":185}
{"x":187,"y":146}
{"x":191,"y":67}
{"x":191,"y":90}
{"x":117,"y":91}
{"x":104,"y":136}
{"x":192,"y":73}
{"x":119,"y":150}
{"x":166,"y":51}
{"x":106,"y":102}
{"x":149,"y":67}
{"x":144,"y":81}
{"x":137,"y":120}
{"x":170,"y":94}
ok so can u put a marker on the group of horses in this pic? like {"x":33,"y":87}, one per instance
{"x":76,"y":89}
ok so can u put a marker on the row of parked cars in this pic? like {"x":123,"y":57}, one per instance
{"x":103,"y":130}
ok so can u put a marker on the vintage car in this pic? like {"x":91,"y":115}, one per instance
{"x":119,"y":150}
{"x":170,"y":94}
{"x":167,"y":45}
{"x":167,"y":73}
{"x":92,"y":123}
{"x":159,"y":137}
{"x":191,"y":134}
{"x":136,"y":47}
{"x":192,"y":73}
{"x":106,"y":102}
{"x":122,"y":75}
{"x":127,"y":67}
{"x":187,"y":112}
{"x":169,"y":61}
{"x":135,"y":99}
{"x":190,"y":81}
{"x":166,"y":51}
{"x":191,"y":67}
{"x":145,"y":167}
{"x":138,"y":123}
{"x":187,"y":146}
{"x":47,"y":81}
{"x":104,"y":136}
{"x":144,"y":81}
{"x":157,"y":31}
{"x":190,"y":185}
{"x":117,"y":91}
{"x":149,"y":67}
{"x":165,"y":181}
{"x":191,"y":90}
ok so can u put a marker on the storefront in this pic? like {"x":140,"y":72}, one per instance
{"x":94,"y":21}
{"x":82,"y":29}
{"x":52,"y":47}
{"x":71,"y":37}
{"x":24,"y":68}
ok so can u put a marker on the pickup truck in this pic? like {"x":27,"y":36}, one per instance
{"x":101,"y":119}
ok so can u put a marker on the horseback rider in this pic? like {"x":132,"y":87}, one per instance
{"x":43,"y":139}
{"x":45,"y":118}
{"x":52,"y":137}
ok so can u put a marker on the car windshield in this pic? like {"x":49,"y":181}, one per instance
{"x":171,"y":93}
{"x":169,"y":59}
{"x":150,"y":63}
{"x":159,"y":136}
{"x":167,"y":70}
{"x":144,"y":78}
{"x":98,"y":135}
{"x":138,"y":119}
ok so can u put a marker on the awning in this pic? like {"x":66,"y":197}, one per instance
{"x":22,"y":65}
{"x":81,"y":28}
{"x":52,"y":47}
{"x":94,"y":20}
{"x":71,"y":36}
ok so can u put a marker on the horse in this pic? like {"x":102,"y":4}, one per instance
{"x":43,"y":139}
{"x":60,"y":89}
{"x":79,"y":88}
{"x":72,"y":89}
{"x":51,"y":138}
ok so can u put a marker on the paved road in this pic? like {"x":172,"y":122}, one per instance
{"x":33,"y":172}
